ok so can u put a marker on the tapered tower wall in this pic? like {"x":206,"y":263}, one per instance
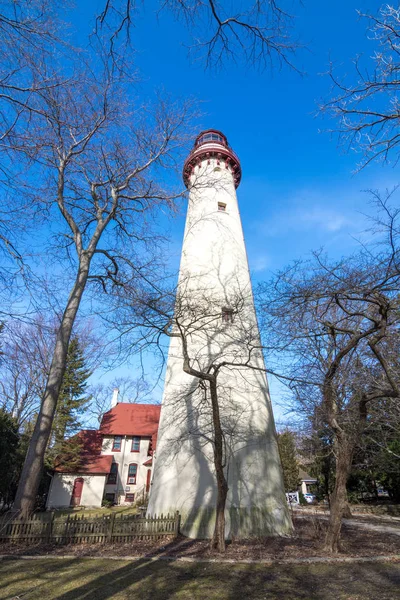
{"x":216,"y":309}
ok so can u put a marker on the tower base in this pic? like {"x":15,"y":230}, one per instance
{"x":240,"y":523}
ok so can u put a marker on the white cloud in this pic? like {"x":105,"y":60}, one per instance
{"x":325,"y":219}
{"x":300,"y":220}
{"x":316,"y":211}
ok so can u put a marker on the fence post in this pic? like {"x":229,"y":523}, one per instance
{"x":50,"y":527}
{"x":66,"y":530}
{"x":110,"y":527}
{"x":104,"y":529}
{"x":177,"y":523}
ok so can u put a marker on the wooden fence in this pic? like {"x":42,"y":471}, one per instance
{"x":79,"y":529}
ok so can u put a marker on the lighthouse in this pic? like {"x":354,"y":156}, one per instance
{"x":215,"y":333}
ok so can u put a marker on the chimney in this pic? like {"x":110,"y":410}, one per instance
{"x":114,"y":400}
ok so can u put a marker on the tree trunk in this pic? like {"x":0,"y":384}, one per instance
{"x":218,"y":539}
{"x":338,"y":501}
{"x":34,"y":460}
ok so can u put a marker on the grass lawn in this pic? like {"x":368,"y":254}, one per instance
{"x":101,"y":579}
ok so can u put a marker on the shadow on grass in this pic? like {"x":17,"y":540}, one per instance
{"x":23,"y":572}
{"x":161,"y":580}
{"x":146,"y":579}
{"x":178,"y":546}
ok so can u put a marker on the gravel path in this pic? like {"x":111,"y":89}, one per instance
{"x":358,"y":522}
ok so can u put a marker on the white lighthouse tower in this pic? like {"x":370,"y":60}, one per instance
{"x":215,"y":331}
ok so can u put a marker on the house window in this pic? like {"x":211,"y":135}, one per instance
{"x":227,"y":315}
{"x":135,"y":444}
{"x":132,"y":470}
{"x":221,"y":207}
{"x":110,"y":497}
{"x":129,"y":497}
{"x":117,"y":443}
{"x":112,"y":476}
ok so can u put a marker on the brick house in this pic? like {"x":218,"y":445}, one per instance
{"x":115,"y":462}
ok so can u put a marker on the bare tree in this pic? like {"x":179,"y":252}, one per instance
{"x":26,"y":354}
{"x":219,"y":349}
{"x":259,"y":33}
{"x":80,"y":152}
{"x":335,"y":323}
{"x":93,"y":162}
{"x":129,"y":389}
{"x":30,"y":32}
{"x":33,"y":46}
{"x":367,"y":107}
{"x":27,"y":350}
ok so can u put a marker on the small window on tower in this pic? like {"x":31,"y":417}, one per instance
{"x":221,"y":206}
{"x":227,"y":315}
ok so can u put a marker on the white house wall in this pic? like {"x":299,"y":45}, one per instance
{"x":124,"y":458}
{"x":62,"y":486}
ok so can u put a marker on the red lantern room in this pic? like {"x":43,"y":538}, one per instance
{"x":212,"y":144}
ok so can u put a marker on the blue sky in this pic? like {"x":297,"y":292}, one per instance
{"x":299,"y":190}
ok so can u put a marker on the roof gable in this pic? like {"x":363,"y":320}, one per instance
{"x":131,"y":419}
{"x":90,"y":465}
{"x":306,"y":477}
{"x":82,"y":455}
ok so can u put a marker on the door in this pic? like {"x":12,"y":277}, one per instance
{"x":77,"y":492}
{"x":148,"y":480}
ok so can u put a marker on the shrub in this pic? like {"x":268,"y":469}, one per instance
{"x":302,"y":500}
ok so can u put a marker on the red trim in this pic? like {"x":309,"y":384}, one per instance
{"x":212,"y":149}
{"x":77,"y":491}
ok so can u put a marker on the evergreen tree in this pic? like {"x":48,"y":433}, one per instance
{"x":290,"y":466}
{"x":72,"y":400}
{"x":10,"y":457}
{"x":323,"y":464}
{"x":388,"y":473}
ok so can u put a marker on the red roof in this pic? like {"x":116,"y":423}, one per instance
{"x":93,"y":465}
{"x":124,"y":419}
{"x":84,"y":456}
{"x":132,"y":419}
{"x":91,"y":441}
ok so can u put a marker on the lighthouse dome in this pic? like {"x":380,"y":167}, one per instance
{"x":212,"y":143}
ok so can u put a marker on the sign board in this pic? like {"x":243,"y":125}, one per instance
{"x":292,"y":498}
